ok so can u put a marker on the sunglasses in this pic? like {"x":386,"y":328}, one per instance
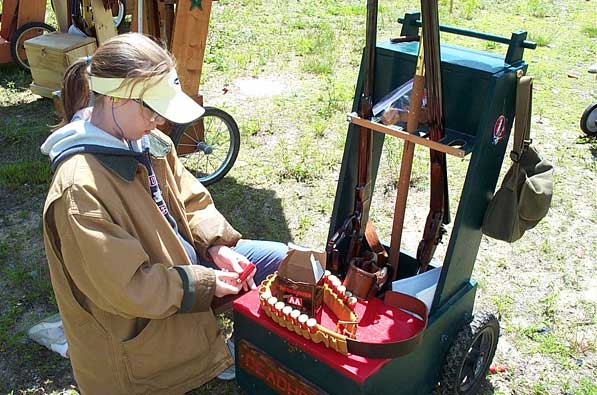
{"x":154,"y":114}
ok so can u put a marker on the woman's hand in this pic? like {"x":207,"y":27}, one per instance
{"x":226,"y":283}
{"x":229,"y":260}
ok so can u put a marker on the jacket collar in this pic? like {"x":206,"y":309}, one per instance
{"x":126,"y":166}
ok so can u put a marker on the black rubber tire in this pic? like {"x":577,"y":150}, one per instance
{"x":18,"y":38}
{"x":226,"y":128}
{"x":469,"y":355}
{"x":588,"y":120}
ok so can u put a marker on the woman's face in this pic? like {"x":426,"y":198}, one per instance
{"x":134,"y":119}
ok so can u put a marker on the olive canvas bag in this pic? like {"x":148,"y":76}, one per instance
{"x":525,"y":194}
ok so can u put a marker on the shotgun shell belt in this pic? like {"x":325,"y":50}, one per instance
{"x":335,"y":297}
{"x":342,"y":304}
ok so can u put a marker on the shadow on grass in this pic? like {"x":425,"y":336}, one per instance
{"x":256,"y":213}
{"x":591,"y":143}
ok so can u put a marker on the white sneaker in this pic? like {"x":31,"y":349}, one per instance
{"x":49,"y":333}
{"x":230,"y":373}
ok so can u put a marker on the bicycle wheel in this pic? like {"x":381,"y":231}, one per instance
{"x":209,"y":146}
{"x":24,"y":33}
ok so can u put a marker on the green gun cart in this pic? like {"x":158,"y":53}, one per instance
{"x":479,"y":105}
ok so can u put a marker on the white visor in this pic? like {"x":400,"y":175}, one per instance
{"x":162,"y":94}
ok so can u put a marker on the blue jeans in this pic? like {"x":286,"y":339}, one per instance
{"x":266,"y":255}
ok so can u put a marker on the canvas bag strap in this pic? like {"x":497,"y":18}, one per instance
{"x":522,"y":126}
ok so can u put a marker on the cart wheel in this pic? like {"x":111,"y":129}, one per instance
{"x":588,"y":120}
{"x":24,"y":33}
{"x":209,"y":146}
{"x":469,"y":357}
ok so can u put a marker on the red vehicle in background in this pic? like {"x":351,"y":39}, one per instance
{"x":20,"y":20}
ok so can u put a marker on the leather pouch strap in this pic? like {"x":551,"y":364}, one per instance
{"x":375,"y":244}
{"x":394,"y":349}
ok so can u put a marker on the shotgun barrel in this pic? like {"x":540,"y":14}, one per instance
{"x":438,"y":210}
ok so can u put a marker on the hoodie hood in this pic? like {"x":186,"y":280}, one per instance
{"x":76,"y":134}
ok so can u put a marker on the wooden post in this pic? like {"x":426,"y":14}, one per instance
{"x":188,"y":42}
{"x":166,"y":19}
{"x":104,"y":24}
{"x":62,"y":14}
{"x":9,"y":11}
{"x":135,"y":17}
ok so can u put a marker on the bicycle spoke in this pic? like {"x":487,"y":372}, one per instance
{"x":189,"y":136}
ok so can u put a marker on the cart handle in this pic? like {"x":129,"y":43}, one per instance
{"x":516,"y":43}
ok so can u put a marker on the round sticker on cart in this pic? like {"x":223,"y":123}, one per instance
{"x":499,"y":129}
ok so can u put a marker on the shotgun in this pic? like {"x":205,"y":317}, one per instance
{"x":439,"y":212}
{"x":351,"y":228}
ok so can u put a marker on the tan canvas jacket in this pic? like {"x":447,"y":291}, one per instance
{"x":136,"y":314}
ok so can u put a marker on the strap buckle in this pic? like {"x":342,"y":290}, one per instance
{"x":526,"y":143}
{"x":515,"y":156}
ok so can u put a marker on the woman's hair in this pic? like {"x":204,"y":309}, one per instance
{"x":130,"y":55}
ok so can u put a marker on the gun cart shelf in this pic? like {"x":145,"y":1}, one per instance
{"x":447,"y":145}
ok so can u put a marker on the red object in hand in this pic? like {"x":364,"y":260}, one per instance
{"x":248,"y":270}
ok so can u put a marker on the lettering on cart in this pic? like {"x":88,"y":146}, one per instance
{"x":268,"y":370}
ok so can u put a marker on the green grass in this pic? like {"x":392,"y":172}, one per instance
{"x":590,"y":31}
{"x":14,"y":175}
{"x":542,"y":40}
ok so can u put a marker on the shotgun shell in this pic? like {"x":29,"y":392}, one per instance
{"x":312,"y":325}
{"x":302,"y":321}
{"x":248,"y":270}
{"x":294,"y":315}
{"x":332,"y":280}
{"x":279,"y":306}
{"x":347,"y":295}
{"x":263,"y":297}
{"x":271,"y":303}
{"x":335,"y":284}
{"x":340,"y":289}
{"x":352,"y":302}
{"x":326,"y":276}
{"x":286,"y":312}
{"x":340,"y":328}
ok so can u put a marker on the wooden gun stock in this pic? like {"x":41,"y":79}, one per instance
{"x":352,"y":227}
{"x":416,"y":101}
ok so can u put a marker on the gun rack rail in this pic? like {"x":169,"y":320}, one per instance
{"x":455,"y":143}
